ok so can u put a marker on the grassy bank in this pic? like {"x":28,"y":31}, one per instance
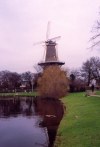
{"x":80,"y":126}
{"x":18,"y":94}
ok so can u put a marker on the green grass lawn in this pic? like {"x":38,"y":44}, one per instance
{"x":98,"y":92}
{"x":80,"y":126}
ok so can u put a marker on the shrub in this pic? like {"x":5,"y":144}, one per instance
{"x":53,"y":82}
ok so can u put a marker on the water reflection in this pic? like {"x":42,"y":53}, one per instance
{"x":38,"y":119}
{"x":52,"y":111}
{"x":15,"y":106}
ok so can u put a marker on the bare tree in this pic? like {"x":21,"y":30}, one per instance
{"x":9,"y":80}
{"x":96,"y":37}
{"x":77,"y":83}
{"x":26,"y":78}
{"x":91,"y":69}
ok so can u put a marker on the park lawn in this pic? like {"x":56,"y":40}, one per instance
{"x":80,"y":126}
{"x":98,"y":92}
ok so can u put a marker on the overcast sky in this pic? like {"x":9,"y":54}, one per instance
{"x":24,"y":22}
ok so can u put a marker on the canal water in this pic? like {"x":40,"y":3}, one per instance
{"x":29,"y":121}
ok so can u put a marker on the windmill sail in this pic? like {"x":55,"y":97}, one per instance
{"x":51,"y":57}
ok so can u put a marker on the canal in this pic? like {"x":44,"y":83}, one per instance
{"x":29,"y":121}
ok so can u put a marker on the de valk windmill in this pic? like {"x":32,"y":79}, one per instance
{"x":51,"y":56}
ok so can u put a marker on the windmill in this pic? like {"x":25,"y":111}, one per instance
{"x":51,"y":56}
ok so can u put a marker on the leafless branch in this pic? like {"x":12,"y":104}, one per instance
{"x":96,"y":43}
{"x":94,"y":37}
{"x":98,"y":24}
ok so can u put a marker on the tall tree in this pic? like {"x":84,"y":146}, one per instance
{"x":9,"y":80}
{"x":14,"y":80}
{"x":77,"y":83}
{"x":26,"y":78}
{"x":91,"y":69}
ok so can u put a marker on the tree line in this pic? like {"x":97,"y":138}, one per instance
{"x":12,"y":81}
{"x":79,"y":79}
